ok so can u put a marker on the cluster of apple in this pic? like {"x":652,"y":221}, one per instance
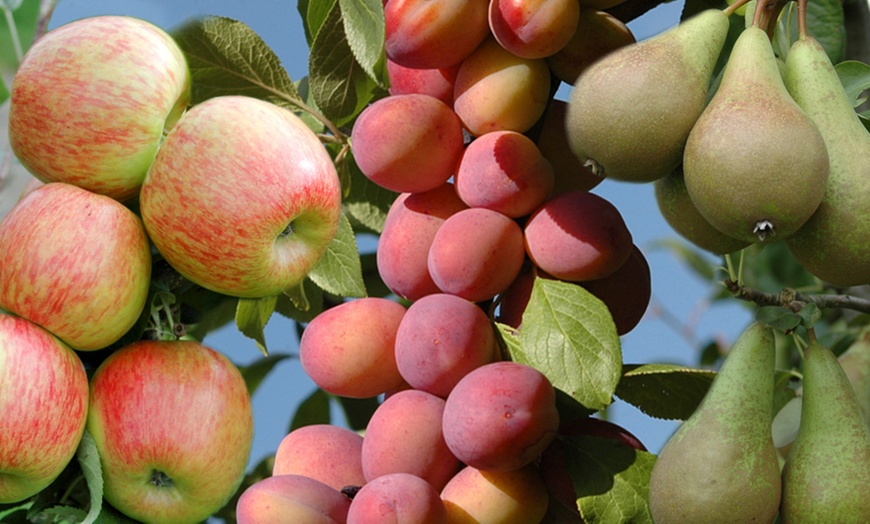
{"x":129,"y":175}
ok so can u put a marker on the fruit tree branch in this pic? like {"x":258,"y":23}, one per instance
{"x":795,"y":300}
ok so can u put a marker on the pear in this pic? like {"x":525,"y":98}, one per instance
{"x":669,"y":73}
{"x":681,"y":214}
{"x":755,"y":165}
{"x":826,"y":477}
{"x":832,"y":245}
{"x":855,"y":362}
{"x":721,"y":465}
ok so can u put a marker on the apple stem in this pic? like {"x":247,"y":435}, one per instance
{"x":160,"y":479}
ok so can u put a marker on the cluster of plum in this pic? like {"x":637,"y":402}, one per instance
{"x":490,"y":197}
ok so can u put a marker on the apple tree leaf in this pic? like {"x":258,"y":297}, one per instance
{"x":302,"y":303}
{"x":363,"y":22}
{"x":252,"y":315}
{"x":664,"y":391}
{"x":568,"y":334}
{"x":4,"y":92}
{"x":340,"y":86}
{"x":226,"y":57}
{"x":339,"y":271}
{"x":611,"y":479}
{"x":89,"y":460}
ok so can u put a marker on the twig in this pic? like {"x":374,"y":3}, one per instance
{"x":794,"y":299}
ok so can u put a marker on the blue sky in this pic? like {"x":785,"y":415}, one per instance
{"x":675,"y":289}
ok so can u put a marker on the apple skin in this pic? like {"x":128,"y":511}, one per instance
{"x":233,"y":175}
{"x":173,"y":425}
{"x":90,"y":101}
{"x":43,"y":407}
{"x":76,"y":263}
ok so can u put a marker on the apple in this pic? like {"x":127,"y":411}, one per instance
{"x":76,"y":263}
{"x":242,"y":198}
{"x":173,"y":426}
{"x":43,"y":407}
{"x":91,"y":99}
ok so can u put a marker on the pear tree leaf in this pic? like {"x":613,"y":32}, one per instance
{"x":366,"y":201}
{"x":664,"y":391}
{"x":339,"y":271}
{"x":778,"y":317}
{"x":855,"y":77}
{"x":611,"y":479}
{"x":339,"y":85}
{"x":568,"y":334}
{"x":89,"y":460}
{"x":226,"y":57}
{"x":363,"y":22}
{"x":314,"y":409}
{"x":256,"y":372}
{"x":809,"y":315}
{"x":786,"y":422}
{"x":825,"y":22}
{"x":314,"y":13}
{"x":252,"y":314}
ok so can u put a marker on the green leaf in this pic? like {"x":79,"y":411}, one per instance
{"x":358,"y":411}
{"x":89,"y":460}
{"x":4,"y":93}
{"x":226,"y":57}
{"x":303,"y":305}
{"x":693,"y":258}
{"x":65,"y":514}
{"x":252,"y":314}
{"x":825,"y":22}
{"x":366,"y":201}
{"x":363,"y":22}
{"x":314,"y":409}
{"x":568,"y":334}
{"x":610,"y":478}
{"x":664,"y":391}
{"x":339,"y":85}
{"x":255,"y":373}
{"x":15,"y":513}
{"x":16,"y":39}
{"x":339,"y":271}
{"x":778,"y":317}
{"x":809,"y":315}
{"x":313,"y":14}
{"x":855,"y":77}
{"x":786,"y":422}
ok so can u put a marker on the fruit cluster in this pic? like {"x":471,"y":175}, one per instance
{"x":489,"y":198}
{"x":777,"y":153}
{"x":236,"y":194}
{"x":722,"y":460}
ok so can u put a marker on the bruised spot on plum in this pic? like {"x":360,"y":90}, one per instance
{"x":160,"y":479}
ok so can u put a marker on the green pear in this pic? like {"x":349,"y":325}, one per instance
{"x":832,"y":245}
{"x":668,"y":75}
{"x":681,"y":214}
{"x":855,"y":362}
{"x":826,"y":476}
{"x":721,"y":465}
{"x":755,"y":165}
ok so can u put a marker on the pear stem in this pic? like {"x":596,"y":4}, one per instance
{"x":734,"y":7}
{"x":802,"y":18}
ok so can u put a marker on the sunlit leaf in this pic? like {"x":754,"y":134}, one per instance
{"x":252,"y":315}
{"x":664,"y":391}
{"x":569,"y":335}
{"x":339,"y":271}
{"x":363,"y":22}
{"x":226,"y":57}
